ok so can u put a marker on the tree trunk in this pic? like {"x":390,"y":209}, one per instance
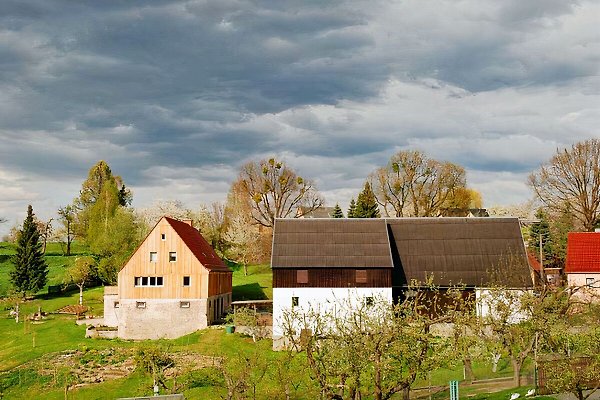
{"x":516,"y":372}
{"x":406,"y":393}
{"x":469,"y":374}
{"x":377,"y":377}
{"x":245,"y":269}
{"x":495,"y":359}
{"x":80,"y":295}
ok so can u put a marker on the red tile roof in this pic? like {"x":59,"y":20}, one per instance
{"x":583,"y":252}
{"x":198,"y":246}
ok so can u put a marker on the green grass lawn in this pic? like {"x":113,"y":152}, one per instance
{"x":258,"y":285}
{"x":25,"y":346}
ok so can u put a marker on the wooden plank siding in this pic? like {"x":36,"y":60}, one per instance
{"x":173,"y":272}
{"x":333,"y":277}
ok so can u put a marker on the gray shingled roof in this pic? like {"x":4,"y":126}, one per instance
{"x":453,"y":250}
{"x":333,"y":243}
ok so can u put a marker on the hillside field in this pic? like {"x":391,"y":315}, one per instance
{"x":52,"y":358}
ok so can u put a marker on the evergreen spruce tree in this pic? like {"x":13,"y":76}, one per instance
{"x":352,"y":209}
{"x":31,"y":271}
{"x":337,"y":212}
{"x":366,"y":204}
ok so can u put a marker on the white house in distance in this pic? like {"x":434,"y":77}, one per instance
{"x":583,"y":260}
{"x":172,"y":285}
{"x":318,"y":263}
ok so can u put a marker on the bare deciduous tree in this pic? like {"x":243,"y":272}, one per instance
{"x":572,"y":178}
{"x":274,"y":190}
{"x":414,"y":185}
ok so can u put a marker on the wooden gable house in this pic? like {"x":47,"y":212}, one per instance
{"x":173,"y":284}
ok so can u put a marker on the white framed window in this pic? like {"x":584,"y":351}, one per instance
{"x":172,"y":256}
{"x":368,"y":301}
{"x":140,"y":304}
{"x":295,"y":301}
{"x":153,"y":256}
{"x":163,"y":236}
{"x":187,"y":281}
{"x":116,"y":304}
{"x":184,"y":304}
{"x":140,"y":281}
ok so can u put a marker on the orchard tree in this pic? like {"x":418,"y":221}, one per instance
{"x":31,"y":271}
{"x":366,"y":204}
{"x":273,"y":190}
{"x":572,"y":177}
{"x":243,"y":238}
{"x":82,"y":273}
{"x":411,"y":184}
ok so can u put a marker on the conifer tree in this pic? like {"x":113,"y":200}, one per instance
{"x":31,"y":271}
{"x":337,"y":212}
{"x":366,"y":204}
{"x":352,"y":209}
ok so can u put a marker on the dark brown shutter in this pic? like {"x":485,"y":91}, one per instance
{"x":302,"y":276}
{"x":361,"y":276}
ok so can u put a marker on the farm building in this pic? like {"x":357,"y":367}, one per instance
{"x":319,"y":263}
{"x":583,"y":260}
{"x":173,"y":284}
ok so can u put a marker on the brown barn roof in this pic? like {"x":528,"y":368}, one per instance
{"x":198,"y":245}
{"x":469,"y":251}
{"x":331,"y":243}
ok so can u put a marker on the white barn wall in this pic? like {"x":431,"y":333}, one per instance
{"x":322,"y":299}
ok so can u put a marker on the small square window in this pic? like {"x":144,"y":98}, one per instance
{"x":184,"y":304}
{"x":589,"y":282}
{"x":302,"y":276}
{"x":159,"y":281}
{"x":137,"y":281}
{"x":172,"y":256}
{"x":153,"y":256}
{"x":144,"y":281}
{"x":116,"y":304}
{"x":295,"y":301}
{"x":140,"y":304}
{"x":361,"y":276}
{"x":152,"y":281}
{"x":186,"y":281}
{"x":368,"y":301}
{"x":163,"y":236}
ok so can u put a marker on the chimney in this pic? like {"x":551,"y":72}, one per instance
{"x":188,"y":221}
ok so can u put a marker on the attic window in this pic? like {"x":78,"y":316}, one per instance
{"x":172,"y":256}
{"x":163,"y":236}
{"x":361,"y":276}
{"x":153,"y":256}
{"x":302,"y":276}
{"x":186,"y":281}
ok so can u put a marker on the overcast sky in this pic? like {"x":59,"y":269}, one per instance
{"x":176,"y":95}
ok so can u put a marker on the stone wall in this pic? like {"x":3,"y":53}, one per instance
{"x":167,"y":318}
{"x":111,"y":308}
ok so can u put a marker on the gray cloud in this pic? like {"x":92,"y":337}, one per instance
{"x":175,"y":95}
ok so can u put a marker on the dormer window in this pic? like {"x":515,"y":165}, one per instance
{"x":172,"y":256}
{"x":163,"y":236}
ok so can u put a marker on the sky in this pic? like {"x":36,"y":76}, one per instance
{"x":177,"y":95}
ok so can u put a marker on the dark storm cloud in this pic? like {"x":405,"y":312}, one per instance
{"x":177,"y":94}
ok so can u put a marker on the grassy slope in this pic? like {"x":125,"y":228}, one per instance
{"x":25,"y":342}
